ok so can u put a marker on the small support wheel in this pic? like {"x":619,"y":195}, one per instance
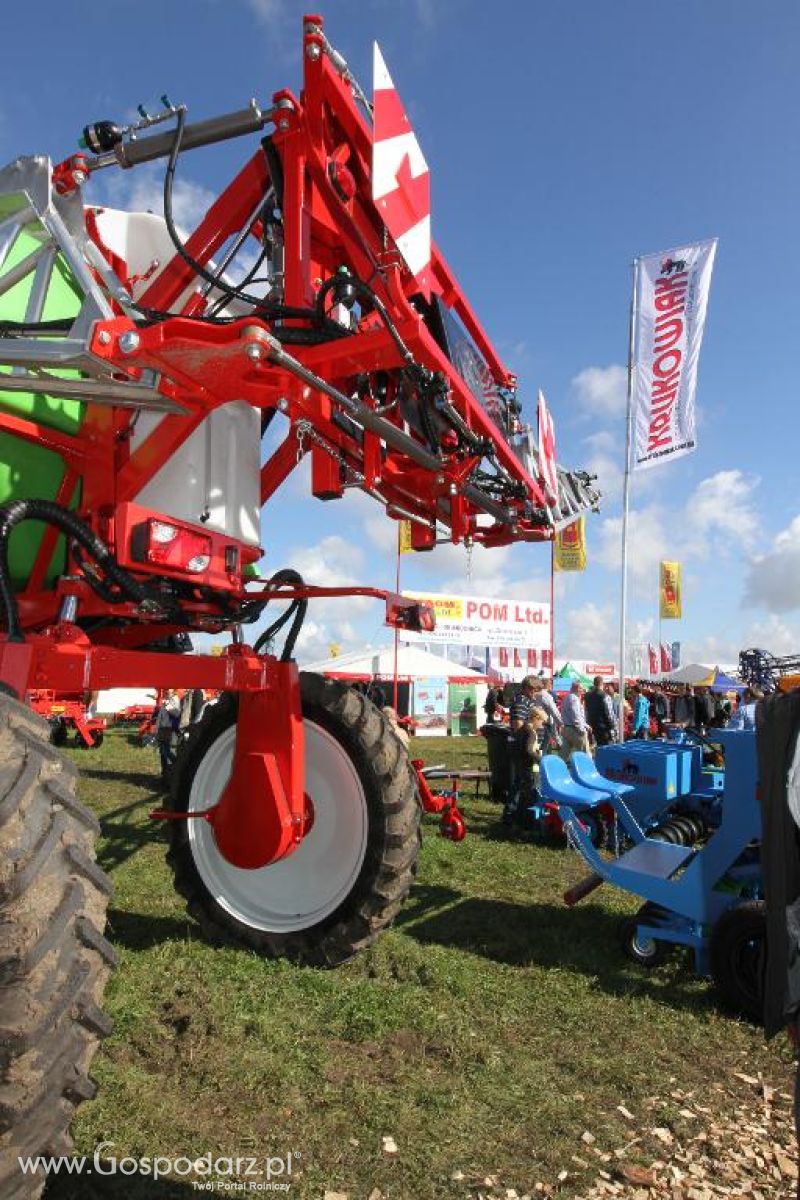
{"x":644,"y":951}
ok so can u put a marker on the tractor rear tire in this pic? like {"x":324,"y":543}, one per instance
{"x":54,"y":960}
{"x":347,"y":881}
{"x":737,"y":947}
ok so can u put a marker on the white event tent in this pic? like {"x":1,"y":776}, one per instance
{"x":412,"y":663}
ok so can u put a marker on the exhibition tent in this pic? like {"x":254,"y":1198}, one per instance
{"x":726,"y":683}
{"x":694,"y":673}
{"x":569,"y":673}
{"x":412,"y":663}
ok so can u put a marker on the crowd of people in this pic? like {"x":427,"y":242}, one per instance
{"x":586,"y":718}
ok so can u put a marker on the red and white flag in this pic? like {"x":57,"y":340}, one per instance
{"x":548,"y":474}
{"x":652,"y":657}
{"x":672,"y":297}
{"x":517,"y":658}
{"x":666,"y":658}
{"x":533,"y":659}
{"x":502,"y":656}
{"x":401,"y":182}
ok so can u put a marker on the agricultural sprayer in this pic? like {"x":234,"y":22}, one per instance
{"x":150,"y":407}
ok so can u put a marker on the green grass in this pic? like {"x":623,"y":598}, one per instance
{"x":484,"y":1033}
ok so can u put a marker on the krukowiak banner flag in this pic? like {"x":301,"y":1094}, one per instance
{"x":570,"y":547}
{"x":669,"y":591}
{"x":672,"y":298}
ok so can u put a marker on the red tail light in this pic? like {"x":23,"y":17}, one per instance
{"x":166,"y":545}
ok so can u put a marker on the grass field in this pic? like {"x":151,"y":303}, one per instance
{"x":486,"y":1033}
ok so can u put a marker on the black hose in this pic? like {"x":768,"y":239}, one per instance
{"x":365,"y":291}
{"x":17,"y":511}
{"x":234,"y":292}
{"x":297,"y":610}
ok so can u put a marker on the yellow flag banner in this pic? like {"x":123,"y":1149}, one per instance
{"x":570,"y":547}
{"x":670,"y":591}
{"x":404,"y":537}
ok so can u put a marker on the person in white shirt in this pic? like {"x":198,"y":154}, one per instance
{"x":575,"y":733}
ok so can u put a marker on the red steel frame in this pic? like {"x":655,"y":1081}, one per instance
{"x":201,"y":367}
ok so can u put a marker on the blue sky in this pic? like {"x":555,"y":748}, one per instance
{"x":563,"y":140}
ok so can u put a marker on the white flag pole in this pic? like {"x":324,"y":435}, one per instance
{"x":626,"y":488}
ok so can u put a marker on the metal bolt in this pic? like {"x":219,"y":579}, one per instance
{"x":440,"y":478}
{"x":283,"y":123}
{"x":129,"y":342}
{"x":69,"y":609}
{"x":104,"y":337}
{"x":253,"y":351}
{"x":453,"y":489}
{"x":283,"y":404}
{"x":312,"y":51}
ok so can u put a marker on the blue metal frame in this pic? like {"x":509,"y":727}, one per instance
{"x":694,"y":885}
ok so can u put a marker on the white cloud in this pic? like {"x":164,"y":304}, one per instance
{"x":773,"y":579}
{"x":588,"y":631}
{"x":601,"y":391}
{"x":332,"y":562}
{"x":267,"y":12}
{"x":604,"y":458}
{"x":723,"y":503}
{"x":719,"y":516}
{"x":141,"y":189}
{"x":648,"y":542}
{"x":772,"y":634}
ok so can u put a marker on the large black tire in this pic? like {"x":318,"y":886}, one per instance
{"x":386,"y":805}
{"x":737,"y":949}
{"x":54,"y":961}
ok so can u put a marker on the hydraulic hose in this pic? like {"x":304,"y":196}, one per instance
{"x":296,"y":609}
{"x":17,"y":511}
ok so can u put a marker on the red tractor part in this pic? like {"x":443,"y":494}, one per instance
{"x":452,"y":824}
{"x":65,"y":711}
{"x":262,"y":815}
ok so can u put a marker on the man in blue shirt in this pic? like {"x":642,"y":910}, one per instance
{"x":745,"y":715}
{"x":641,"y":713}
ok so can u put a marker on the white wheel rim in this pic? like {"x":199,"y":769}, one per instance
{"x":301,"y":890}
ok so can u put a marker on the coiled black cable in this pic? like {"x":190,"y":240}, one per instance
{"x":14,"y":513}
{"x":297,"y":610}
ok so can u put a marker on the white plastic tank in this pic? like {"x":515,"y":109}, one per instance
{"x":214,"y":477}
